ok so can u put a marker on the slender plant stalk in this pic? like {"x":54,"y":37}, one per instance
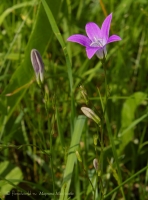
{"x":110,"y":131}
{"x":51,"y":164}
{"x":126,"y":181}
{"x":46,"y":99}
{"x":88,"y":178}
{"x":101,"y":160}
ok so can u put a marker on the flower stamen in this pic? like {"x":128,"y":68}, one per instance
{"x":97,"y":42}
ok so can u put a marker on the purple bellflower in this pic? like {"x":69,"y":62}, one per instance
{"x":96,"y":39}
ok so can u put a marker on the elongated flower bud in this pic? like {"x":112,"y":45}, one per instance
{"x":96,"y":164}
{"x":84,"y":94}
{"x":95,"y":139}
{"x":78,"y":156}
{"x":38,"y":65}
{"x":90,"y":114}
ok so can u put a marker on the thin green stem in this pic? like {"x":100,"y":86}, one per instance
{"x":51,"y":164}
{"x":88,"y":178}
{"x":110,"y":131}
{"x":50,"y":142}
{"x":126,"y":181}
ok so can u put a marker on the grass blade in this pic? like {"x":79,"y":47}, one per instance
{"x":78,"y":128}
{"x":60,"y":39}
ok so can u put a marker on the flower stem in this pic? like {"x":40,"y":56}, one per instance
{"x":111,"y":138}
{"x":88,"y":177}
{"x":50,"y":142}
{"x":51,"y":163}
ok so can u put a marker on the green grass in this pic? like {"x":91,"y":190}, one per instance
{"x":38,"y":144}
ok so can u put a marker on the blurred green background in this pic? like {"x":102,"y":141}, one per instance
{"x":25,"y":128}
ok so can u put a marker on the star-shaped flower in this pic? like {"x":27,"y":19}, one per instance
{"x":96,"y":39}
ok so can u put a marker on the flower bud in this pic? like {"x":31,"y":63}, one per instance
{"x":96,"y":164}
{"x":90,"y":114}
{"x":78,"y":156}
{"x":38,"y":66}
{"x":84,"y":94}
{"x":95,"y":139}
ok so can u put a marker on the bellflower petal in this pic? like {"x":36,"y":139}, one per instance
{"x":113,"y":38}
{"x":93,"y":31}
{"x":106,"y":26}
{"x":81,"y":39}
{"x":91,"y":51}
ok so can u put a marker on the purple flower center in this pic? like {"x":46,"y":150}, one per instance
{"x":97,"y":42}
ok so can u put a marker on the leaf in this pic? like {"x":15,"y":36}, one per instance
{"x":10,"y":173}
{"x":128,"y":116}
{"x":78,"y":128}
{"x":60,"y":39}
